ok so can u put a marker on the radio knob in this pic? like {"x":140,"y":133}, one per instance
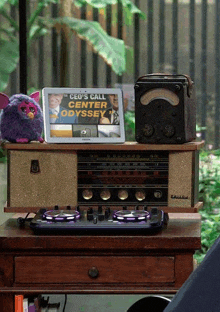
{"x":105,"y":194}
{"x":87,"y":194}
{"x":169,"y":131}
{"x":123,"y":194}
{"x":140,"y":195}
{"x":148,"y":130}
{"x":158,"y":194}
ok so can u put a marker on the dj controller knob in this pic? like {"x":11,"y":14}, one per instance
{"x":101,"y":215}
{"x":107,"y":213}
{"x":155,"y":216}
{"x":90,"y":214}
{"x":145,"y":208}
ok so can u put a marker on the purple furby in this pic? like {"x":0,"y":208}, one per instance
{"x":22,"y":118}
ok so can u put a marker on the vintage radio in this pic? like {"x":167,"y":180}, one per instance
{"x":165,"y":109}
{"x":113,"y":175}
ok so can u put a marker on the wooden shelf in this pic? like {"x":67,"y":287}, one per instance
{"x":194,"y":209}
{"x":191,"y":146}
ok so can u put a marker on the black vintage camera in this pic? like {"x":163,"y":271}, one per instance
{"x":165,"y":109}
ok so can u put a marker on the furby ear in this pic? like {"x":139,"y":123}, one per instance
{"x":35,"y":96}
{"x":4,"y":100}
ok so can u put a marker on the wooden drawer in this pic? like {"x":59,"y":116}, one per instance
{"x":103,"y":269}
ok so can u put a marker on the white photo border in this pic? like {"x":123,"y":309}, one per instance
{"x":47,"y":125}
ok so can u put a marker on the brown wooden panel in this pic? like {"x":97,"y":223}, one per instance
{"x":184,"y":267}
{"x":6,"y":302}
{"x":111,"y":269}
{"x":6,"y":270}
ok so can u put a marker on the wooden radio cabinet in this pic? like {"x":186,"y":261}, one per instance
{"x":45,"y":175}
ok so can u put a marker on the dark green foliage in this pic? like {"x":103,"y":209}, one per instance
{"x":209,"y":182}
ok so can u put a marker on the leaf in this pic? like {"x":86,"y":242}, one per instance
{"x":94,"y":3}
{"x":37,"y":31}
{"x":9,"y":56}
{"x":103,"y":3}
{"x":2,"y":3}
{"x":12,"y":2}
{"x":111,"y":49}
{"x":133,"y":8}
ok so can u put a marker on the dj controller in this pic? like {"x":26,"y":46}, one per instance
{"x":100,"y":219}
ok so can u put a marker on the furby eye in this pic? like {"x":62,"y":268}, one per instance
{"x":23,"y":109}
{"x":32,"y":109}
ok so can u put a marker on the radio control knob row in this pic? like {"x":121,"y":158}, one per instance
{"x":123,"y":194}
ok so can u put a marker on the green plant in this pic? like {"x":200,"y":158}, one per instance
{"x":129,"y":119}
{"x":111,"y":49}
{"x":209,"y":191}
{"x":209,"y":176}
{"x":210,"y":230}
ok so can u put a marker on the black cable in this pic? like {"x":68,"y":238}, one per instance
{"x":64,"y":306}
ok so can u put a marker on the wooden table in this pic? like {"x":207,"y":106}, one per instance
{"x":136,"y":264}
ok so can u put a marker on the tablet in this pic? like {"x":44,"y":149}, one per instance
{"x":83,"y":115}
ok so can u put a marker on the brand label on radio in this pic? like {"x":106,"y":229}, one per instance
{"x":179,"y":197}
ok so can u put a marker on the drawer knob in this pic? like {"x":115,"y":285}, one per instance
{"x":93,"y":272}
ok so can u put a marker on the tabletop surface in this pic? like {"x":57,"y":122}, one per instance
{"x":183,"y":232}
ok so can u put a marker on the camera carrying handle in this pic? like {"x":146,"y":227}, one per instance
{"x":163,"y":75}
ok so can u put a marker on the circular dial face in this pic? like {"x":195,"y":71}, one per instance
{"x":159,"y":93}
{"x":87,"y":194}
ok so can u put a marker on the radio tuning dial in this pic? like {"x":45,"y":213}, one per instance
{"x":87,"y":194}
{"x":123,"y":194}
{"x":140,"y":195}
{"x":105,"y":194}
